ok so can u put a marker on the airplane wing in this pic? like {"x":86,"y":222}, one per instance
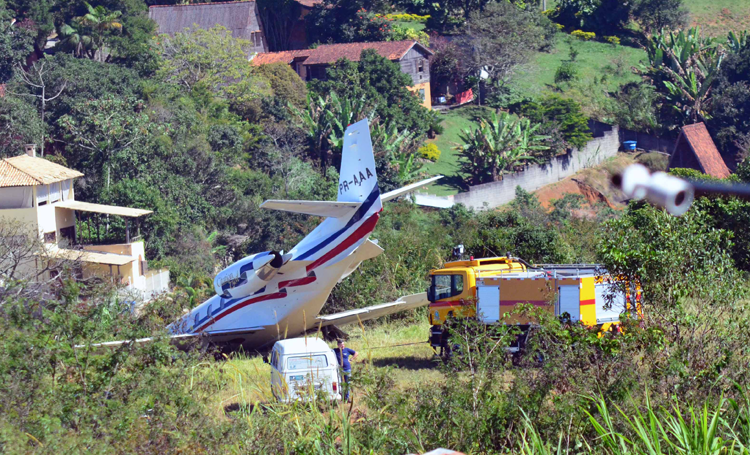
{"x":334,"y":209}
{"x":408,"y":302}
{"x":407,"y":189}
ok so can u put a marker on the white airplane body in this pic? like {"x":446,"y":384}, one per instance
{"x":270,"y":296}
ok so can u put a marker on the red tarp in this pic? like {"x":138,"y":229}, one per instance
{"x":464,"y":97}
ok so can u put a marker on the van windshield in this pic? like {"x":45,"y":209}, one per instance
{"x":307,"y":362}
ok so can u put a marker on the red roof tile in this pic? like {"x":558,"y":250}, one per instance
{"x":264,"y":58}
{"x":201,"y":4}
{"x":329,"y":53}
{"x":705,"y":150}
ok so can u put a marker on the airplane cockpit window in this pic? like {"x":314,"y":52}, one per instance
{"x":307,"y":362}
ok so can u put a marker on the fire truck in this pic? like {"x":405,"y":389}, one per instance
{"x":489,"y":289}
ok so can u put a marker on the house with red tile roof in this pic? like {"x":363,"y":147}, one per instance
{"x":412,"y":57}
{"x":695,"y":149}
{"x":241,"y":18}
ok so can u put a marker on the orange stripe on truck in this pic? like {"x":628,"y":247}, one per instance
{"x":588,"y":302}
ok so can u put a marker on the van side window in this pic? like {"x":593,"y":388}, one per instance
{"x":274,"y":359}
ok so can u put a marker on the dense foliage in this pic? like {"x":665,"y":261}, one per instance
{"x":184,"y":126}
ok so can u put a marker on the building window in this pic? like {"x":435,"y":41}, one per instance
{"x":420,"y":65}
{"x":421,"y":94}
{"x":50,"y":237}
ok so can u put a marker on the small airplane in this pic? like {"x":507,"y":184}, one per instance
{"x":273,"y":295}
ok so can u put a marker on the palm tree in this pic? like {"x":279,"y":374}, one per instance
{"x":499,"y":145}
{"x":74,"y":41}
{"x":100,"y":21}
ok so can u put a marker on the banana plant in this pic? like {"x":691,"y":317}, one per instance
{"x":684,"y":66}
{"x":499,"y":145}
{"x":737,"y":42}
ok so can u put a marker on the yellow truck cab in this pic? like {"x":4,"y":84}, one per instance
{"x":488,"y":289}
{"x":452,"y":291}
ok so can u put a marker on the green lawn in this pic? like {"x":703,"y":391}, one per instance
{"x":601,"y":67}
{"x":717,"y":17}
{"x":454,"y":121}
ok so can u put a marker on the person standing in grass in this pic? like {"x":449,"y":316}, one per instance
{"x":344,"y":356}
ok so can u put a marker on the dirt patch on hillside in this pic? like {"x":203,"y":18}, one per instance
{"x":593,"y":184}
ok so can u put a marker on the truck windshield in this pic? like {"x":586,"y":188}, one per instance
{"x":307,"y":362}
{"x":444,"y":286}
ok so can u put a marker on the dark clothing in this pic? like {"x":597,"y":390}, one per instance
{"x":345,"y":386}
{"x":343,"y":358}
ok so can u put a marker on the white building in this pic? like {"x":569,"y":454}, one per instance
{"x":39,"y":194}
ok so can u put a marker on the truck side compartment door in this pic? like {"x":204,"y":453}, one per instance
{"x":488,"y":304}
{"x":569,"y":301}
{"x":608,"y":309}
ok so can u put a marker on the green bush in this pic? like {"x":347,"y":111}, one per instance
{"x":586,"y":36}
{"x":559,"y":114}
{"x":406,"y":17}
{"x":614,"y":40}
{"x":430,"y":152}
{"x":566,"y":72}
{"x":654,"y":161}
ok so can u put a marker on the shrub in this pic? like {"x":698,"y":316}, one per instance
{"x":559,"y":114}
{"x":406,"y":17}
{"x":654,"y":161}
{"x":566,"y":72}
{"x":614,"y":40}
{"x":586,"y":36}
{"x":399,"y":33}
{"x":430,"y":152}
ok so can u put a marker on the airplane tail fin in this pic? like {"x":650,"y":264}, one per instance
{"x":357,"y":179}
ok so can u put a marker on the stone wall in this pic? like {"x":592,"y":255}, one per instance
{"x":605,"y":145}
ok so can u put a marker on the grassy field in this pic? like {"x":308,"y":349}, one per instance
{"x":246,"y":379}
{"x":717,"y":17}
{"x":454,"y":122}
{"x":601,"y":67}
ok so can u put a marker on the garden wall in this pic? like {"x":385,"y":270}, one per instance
{"x":605,"y":144}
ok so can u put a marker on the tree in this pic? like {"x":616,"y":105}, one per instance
{"x":325,"y":120}
{"x":684,"y":67}
{"x":278,"y":18}
{"x":90,"y":32}
{"x":285,"y":83}
{"x":500,"y":37}
{"x":20,"y":124}
{"x":605,"y":17}
{"x":449,"y":16}
{"x":555,"y":113}
{"x":39,"y":85}
{"x":16,"y":43}
{"x":499,"y":145}
{"x":348,"y":21}
{"x":380,"y":82}
{"x":212,"y":60}
{"x":730,"y":104}
{"x":654,"y":15}
{"x":105,"y":136}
